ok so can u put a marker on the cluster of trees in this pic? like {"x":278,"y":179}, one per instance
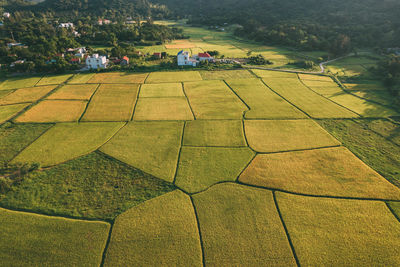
{"x":389,"y":70}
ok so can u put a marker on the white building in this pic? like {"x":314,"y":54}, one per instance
{"x":184,"y":59}
{"x":66,"y":25}
{"x":205,"y":57}
{"x":96,"y":62}
{"x":6,"y":15}
{"x":80,"y":52}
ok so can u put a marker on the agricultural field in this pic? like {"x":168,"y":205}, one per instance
{"x":75,"y":92}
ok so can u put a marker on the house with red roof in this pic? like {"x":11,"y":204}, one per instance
{"x":204,"y":57}
{"x":125,"y":60}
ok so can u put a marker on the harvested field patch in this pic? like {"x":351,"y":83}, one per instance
{"x":274,"y":74}
{"x":240,"y":226}
{"x":310,"y":77}
{"x":160,"y":232}
{"x":214,"y":133}
{"x":118,"y":77}
{"x":214,"y":100}
{"x":163,"y":108}
{"x":36,"y":240}
{"x":54,"y":79}
{"x":173,"y":77}
{"x":54,"y":111}
{"x":285,"y":135}
{"x":161,"y":90}
{"x":7,"y":112}
{"x":201,"y":167}
{"x":152,"y":147}
{"x":112,"y":103}
{"x":66,"y":141}
{"x":226,"y":74}
{"x":78,"y":92}
{"x":81,"y":78}
{"x":341,"y":232}
{"x":25,"y":95}
{"x":325,"y":172}
{"x":263,"y":103}
{"x":19,"y":82}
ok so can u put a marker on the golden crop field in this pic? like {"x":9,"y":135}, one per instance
{"x":26,"y":95}
{"x":77,"y":92}
{"x":163,"y":108}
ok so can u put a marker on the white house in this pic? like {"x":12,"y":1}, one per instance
{"x":96,"y":62}
{"x":80,"y":52}
{"x":66,"y":25}
{"x":6,"y":15}
{"x":184,"y":59}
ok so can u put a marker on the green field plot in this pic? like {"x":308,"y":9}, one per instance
{"x":92,"y":186}
{"x":395,"y":206}
{"x":201,"y":167}
{"x":214,"y":133}
{"x":311,"y":77}
{"x":15,"y":137}
{"x":36,"y":240}
{"x":78,"y":92}
{"x":54,"y":79}
{"x":313,"y":104}
{"x":274,"y":74}
{"x":54,"y":111}
{"x":214,"y":100}
{"x":25,"y":95}
{"x":163,"y":108}
{"x":19,"y":82}
{"x":240,"y":226}
{"x":161,"y":90}
{"x":378,"y":96}
{"x":341,"y":232}
{"x":224,"y":48}
{"x":385,"y":128}
{"x":327,"y":172}
{"x":160,"y":232}
{"x":152,"y":147}
{"x":7,"y":112}
{"x":349,"y":70}
{"x":263,"y":103}
{"x":81,"y":78}
{"x":324,"y":88}
{"x":118,"y":77}
{"x":173,"y":77}
{"x":66,"y":141}
{"x":112,"y":103}
{"x":4,"y":93}
{"x":286,"y":135}
{"x":226,"y":74}
{"x":365,"y":86}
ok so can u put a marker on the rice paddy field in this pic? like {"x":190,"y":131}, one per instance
{"x":244,"y":167}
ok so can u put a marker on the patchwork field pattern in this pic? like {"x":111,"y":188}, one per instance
{"x":163,"y":108}
{"x":173,"y":77}
{"x":19,"y":82}
{"x":54,"y":79}
{"x":227,"y":74}
{"x":77,"y":92}
{"x":26,"y":95}
{"x":118,"y":77}
{"x":162,"y":90}
{"x":7,"y":112}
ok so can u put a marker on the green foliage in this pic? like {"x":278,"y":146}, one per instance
{"x":259,"y":60}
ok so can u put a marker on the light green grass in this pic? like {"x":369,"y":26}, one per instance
{"x":78,"y":92}
{"x":311,"y":77}
{"x":160,"y":232}
{"x":201,"y":167}
{"x":54,"y":79}
{"x":240,"y":226}
{"x":365,"y":86}
{"x":341,"y":232}
{"x":25,"y":95}
{"x":7,"y":112}
{"x":66,"y":141}
{"x":173,"y":77}
{"x":273,"y":74}
{"x":163,"y":108}
{"x":226,"y":74}
{"x":386,"y":128}
{"x":323,"y":87}
{"x":81,"y":78}
{"x":36,"y":240}
{"x":19,"y":82}
{"x":161,"y":90}
{"x":118,"y":77}
{"x":152,"y":147}
{"x":395,"y":206}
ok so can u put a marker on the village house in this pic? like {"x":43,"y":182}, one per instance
{"x":10,"y":45}
{"x":157,"y":55}
{"x":6,"y":15}
{"x":205,"y":57}
{"x":125,"y":60}
{"x":184,"y":59}
{"x":96,"y":62}
{"x":66,"y":25}
{"x":80,"y":52}
{"x":103,"y":22}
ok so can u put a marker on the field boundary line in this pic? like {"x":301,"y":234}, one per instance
{"x":285,"y":229}
{"x":88,"y":102}
{"x":233,"y":91}
{"x":232,"y":147}
{"x":107,"y":244}
{"x":392,"y":211}
{"x":147,"y":76}
{"x":136,"y":102}
{"x":179,"y":154}
{"x":18,"y":103}
{"x":301,"y":149}
{"x":40,"y":80}
{"x":199,"y":232}
{"x":188,"y":101}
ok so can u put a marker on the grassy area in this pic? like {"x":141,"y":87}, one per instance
{"x":395,"y":206}
{"x":163,"y":108}
{"x":325,"y":172}
{"x":201,"y":167}
{"x":92,"y":186}
{"x":365,"y":86}
{"x":340,"y":232}
{"x":240,"y":226}
{"x":19,"y":82}
{"x":173,"y":77}
{"x":54,"y":79}
{"x":273,"y":74}
{"x":385,"y":128}
{"x":112,"y":103}
{"x":161,"y":90}
{"x":118,"y":77}
{"x":24,"y":95}
{"x":77,"y":92}
{"x":160,"y":232}
{"x":226,"y":74}
{"x":54,"y":111}
{"x":36,"y":240}
{"x":81,"y":78}
{"x":66,"y":141}
{"x":370,"y":147}
{"x":214,"y":133}
{"x":286,"y":135}
{"x":311,"y":77}
{"x":7,"y":112}
{"x":152,"y":147}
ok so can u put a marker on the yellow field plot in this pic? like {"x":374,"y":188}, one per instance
{"x":263,"y":103}
{"x":274,"y":74}
{"x":323,"y":87}
{"x":364,"y":86}
{"x":19,"y":82}
{"x":7,"y":112}
{"x":214,"y":133}
{"x":196,"y":50}
{"x":240,"y":226}
{"x":36,"y":240}
{"x":226,"y":74}
{"x":152,"y":147}
{"x":54,"y":111}
{"x":78,"y":92}
{"x":362,"y":106}
{"x":118,"y":77}
{"x":24,"y":95}
{"x":286,"y":135}
{"x":66,"y":141}
{"x":341,"y":232}
{"x":322,"y":172}
{"x":161,"y":90}
{"x":160,"y":232}
{"x":224,"y":49}
{"x":313,"y":104}
{"x":214,"y":100}
{"x":173,"y":77}
{"x":163,"y":108}
{"x":112,"y":102}
{"x":81,"y":78}
{"x":311,"y":77}
{"x":202,"y":167}
{"x":54,"y":79}
{"x":180,"y":45}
